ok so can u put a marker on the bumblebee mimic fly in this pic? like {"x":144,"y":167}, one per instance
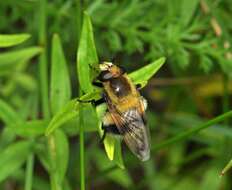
{"x":125,"y":113}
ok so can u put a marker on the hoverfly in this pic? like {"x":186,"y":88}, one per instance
{"x":125,"y":113}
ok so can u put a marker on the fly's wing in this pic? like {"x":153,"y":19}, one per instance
{"x":131,"y":125}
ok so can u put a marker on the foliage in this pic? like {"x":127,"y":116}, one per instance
{"x":49,"y":57}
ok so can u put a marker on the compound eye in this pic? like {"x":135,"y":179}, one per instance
{"x":105,"y":76}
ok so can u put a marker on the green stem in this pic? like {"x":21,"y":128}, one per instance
{"x":81,"y":132}
{"x":82,"y":152}
{"x":193,"y":131}
{"x":30,"y":159}
{"x":29,"y":172}
{"x":43,"y":69}
{"x":79,"y":19}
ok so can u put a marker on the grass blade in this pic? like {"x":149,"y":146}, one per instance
{"x":193,"y":131}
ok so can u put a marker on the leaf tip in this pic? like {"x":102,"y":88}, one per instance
{"x":55,"y":36}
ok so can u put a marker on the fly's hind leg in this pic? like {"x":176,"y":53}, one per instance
{"x":138,"y":86}
{"x":109,"y":129}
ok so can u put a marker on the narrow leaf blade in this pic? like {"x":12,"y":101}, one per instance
{"x":29,"y":129}
{"x":13,"y":157}
{"x":60,"y":82}
{"x":8,"y":40}
{"x":10,"y":60}
{"x":59,"y":154}
{"x":142,"y":75}
{"x":65,"y":114}
{"x":86,"y":56}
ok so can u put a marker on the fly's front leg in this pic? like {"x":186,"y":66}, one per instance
{"x":93,"y":102}
{"x":97,"y":84}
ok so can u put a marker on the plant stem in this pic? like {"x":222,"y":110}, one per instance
{"x":82,"y":151}
{"x":193,"y":131}
{"x":43,"y":69}
{"x":81,"y":121}
{"x":29,"y":172}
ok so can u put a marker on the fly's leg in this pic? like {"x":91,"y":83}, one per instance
{"x":97,"y":84}
{"x":138,"y":86}
{"x":109,"y":126}
{"x":93,"y":102}
{"x":109,"y":129}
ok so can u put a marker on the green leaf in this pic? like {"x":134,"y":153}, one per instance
{"x":95,"y":95}
{"x":10,"y":60}
{"x":7,"y":114}
{"x":7,"y":137}
{"x":109,"y":144}
{"x":59,"y":155}
{"x":26,"y":81}
{"x":42,"y":154}
{"x":13,"y":157}
{"x":7,"y":40}
{"x":142,"y":75}
{"x":187,"y":10}
{"x":60,"y":82}
{"x":182,"y":57}
{"x":206,"y":63}
{"x":91,"y":121}
{"x":86,"y":56}
{"x":118,"y":154}
{"x":68,"y":112}
{"x":29,"y":128}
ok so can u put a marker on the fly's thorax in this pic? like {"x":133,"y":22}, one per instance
{"x":120,"y":88}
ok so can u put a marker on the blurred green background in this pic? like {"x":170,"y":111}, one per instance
{"x":192,"y":87}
